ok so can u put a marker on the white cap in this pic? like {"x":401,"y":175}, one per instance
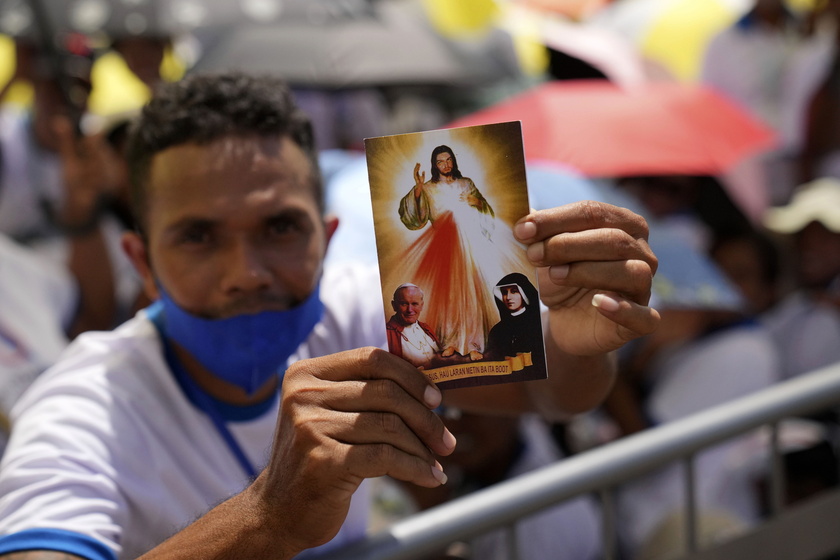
{"x":817,"y":201}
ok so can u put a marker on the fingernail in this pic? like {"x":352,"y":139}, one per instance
{"x":437,"y":472}
{"x":525,"y":230}
{"x":559,"y":272}
{"x":432,"y":396}
{"x":448,"y":439}
{"x":605,"y":302}
{"x":536,"y":252}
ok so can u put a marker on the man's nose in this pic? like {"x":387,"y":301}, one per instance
{"x":246,"y":269}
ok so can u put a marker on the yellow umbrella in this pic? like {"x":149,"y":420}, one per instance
{"x":465,"y":17}
{"x":17,"y":93}
{"x":467,"y":20}
{"x":678,"y":38}
{"x":116,"y":90}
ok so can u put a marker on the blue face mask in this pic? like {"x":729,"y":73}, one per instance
{"x":245,"y":350}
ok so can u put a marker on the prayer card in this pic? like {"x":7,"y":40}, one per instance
{"x":461,"y":298}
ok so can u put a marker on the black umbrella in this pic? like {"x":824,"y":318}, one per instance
{"x":392,"y":43}
{"x":116,"y":18}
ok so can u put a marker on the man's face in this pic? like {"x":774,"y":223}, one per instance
{"x":50,"y":103}
{"x":511,"y":298}
{"x":143,"y":55}
{"x":408,"y":305}
{"x":444,"y":163}
{"x":818,"y":250}
{"x":233,"y":227}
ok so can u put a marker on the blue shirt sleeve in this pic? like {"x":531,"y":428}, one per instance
{"x":57,"y":540}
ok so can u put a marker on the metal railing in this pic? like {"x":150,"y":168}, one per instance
{"x":601,"y":469}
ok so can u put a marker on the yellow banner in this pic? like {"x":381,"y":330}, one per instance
{"x":503,"y":367}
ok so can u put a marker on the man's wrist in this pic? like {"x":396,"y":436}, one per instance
{"x":267,"y":524}
{"x":81,"y":229}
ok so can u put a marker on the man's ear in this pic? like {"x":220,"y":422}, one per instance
{"x":134,"y":247}
{"x":330,"y":224}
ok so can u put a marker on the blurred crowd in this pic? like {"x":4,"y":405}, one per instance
{"x":770,"y":311}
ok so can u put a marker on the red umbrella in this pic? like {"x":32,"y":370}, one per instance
{"x":573,"y":9}
{"x":659,"y":128}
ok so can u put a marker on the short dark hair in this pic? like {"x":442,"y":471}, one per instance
{"x":203,"y":108}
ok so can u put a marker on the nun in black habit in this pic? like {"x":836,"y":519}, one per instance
{"x":519,"y":329}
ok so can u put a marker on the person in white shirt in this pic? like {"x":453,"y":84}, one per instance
{"x":38,"y":303}
{"x":170,"y":437}
{"x":806,"y":322}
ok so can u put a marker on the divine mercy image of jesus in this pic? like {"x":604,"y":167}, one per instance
{"x":444,"y":205}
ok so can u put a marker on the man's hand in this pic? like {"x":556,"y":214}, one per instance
{"x":346,"y":417}
{"x":419,"y":180}
{"x":90,"y":174}
{"x":595,"y":274}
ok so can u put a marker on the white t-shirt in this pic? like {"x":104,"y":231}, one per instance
{"x":37,"y":303}
{"x":806,"y":333}
{"x":108,"y":457}
{"x":29,"y":177}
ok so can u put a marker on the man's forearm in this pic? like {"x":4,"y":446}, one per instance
{"x":575,"y":384}
{"x":90,"y":264}
{"x":237,"y":528}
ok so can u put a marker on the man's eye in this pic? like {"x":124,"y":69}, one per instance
{"x":195,"y":236}
{"x":279,"y":227}
{"x":282,"y":226}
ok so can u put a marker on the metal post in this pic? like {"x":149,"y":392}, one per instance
{"x":609,"y":528}
{"x":690,"y":505}
{"x":512,"y":541}
{"x":600,"y":470}
{"x":777,"y":472}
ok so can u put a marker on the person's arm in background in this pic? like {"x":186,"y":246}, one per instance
{"x":87,"y":170}
{"x":88,"y":174}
